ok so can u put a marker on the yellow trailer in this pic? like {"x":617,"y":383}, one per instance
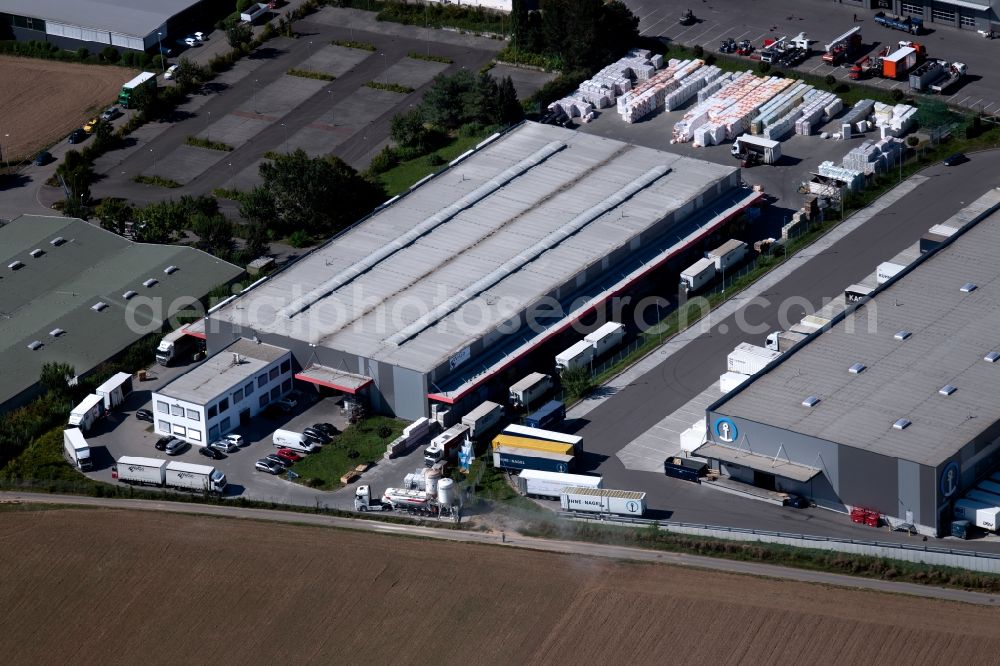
{"x":532,"y":444}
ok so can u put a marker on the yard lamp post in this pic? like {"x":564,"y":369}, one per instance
{"x":159,"y":41}
{"x":151,"y":152}
{"x":286,"y":136}
{"x":384,"y":70}
{"x":255,"y":96}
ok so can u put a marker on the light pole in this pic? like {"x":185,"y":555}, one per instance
{"x":159,"y":41}
{"x":384,"y":70}
{"x":154,"y":160}
{"x":6,"y":155}
{"x":255,"y":96}
{"x":286,"y":136}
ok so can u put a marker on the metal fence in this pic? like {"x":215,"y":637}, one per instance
{"x":921,"y":554}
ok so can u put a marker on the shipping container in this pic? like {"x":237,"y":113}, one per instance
{"x":550,"y":414}
{"x":115,"y":390}
{"x":688,"y":469}
{"x":516,"y":459}
{"x":526,"y":391}
{"x":979,"y":514}
{"x":549,"y":435}
{"x":931,"y":241}
{"x":606,"y":337}
{"x":578,"y":356}
{"x":594,"y":500}
{"x":727,"y":255}
{"x":697,"y":275}
{"x":508,"y":441}
{"x":749,"y":359}
{"x":483,"y":419}
{"x":538,"y":483}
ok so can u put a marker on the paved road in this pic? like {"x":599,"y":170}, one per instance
{"x":518,"y":541}
{"x":644,"y":402}
{"x":823,"y":21}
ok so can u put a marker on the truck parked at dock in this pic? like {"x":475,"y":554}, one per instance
{"x":77,"y":449}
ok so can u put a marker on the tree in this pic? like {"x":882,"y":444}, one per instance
{"x":481,"y":102}
{"x":215,"y":233}
{"x":239,"y":34}
{"x":243,"y":5}
{"x":510,"y":109}
{"x":142,"y":99}
{"x":257,"y":242}
{"x":114,"y":213}
{"x":110,"y":54}
{"x":160,"y":222}
{"x":446,"y":101}
{"x":409,"y":132}
{"x":186,"y":75}
{"x":257,"y":207}
{"x":576,"y":381}
{"x":104,"y":136}
{"x":55,"y":377}
{"x":76,"y":174}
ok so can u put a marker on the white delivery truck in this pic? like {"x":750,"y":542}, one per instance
{"x":526,"y":391}
{"x":578,"y":356}
{"x":141,"y":471}
{"x":483,"y":419}
{"x":77,"y":449}
{"x":697,"y":275}
{"x":85,"y":415}
{"x":200,"y":478}
{"x":768,"y":150}
{"x":727,"y":255}
{"x":729,"y":381}
{"x":597,"y":500}
{"x":446,"y":445}
{"x":293,"y":440}
{"x":980,"y":514}
{"x":539,"y":483}
{"x":114,"y":391}
{"x":748,"y":359}
{"x":178,"y":346}
{"x":253,"y":12}
{"x":782,"y":341}
{"x":606,"y":337}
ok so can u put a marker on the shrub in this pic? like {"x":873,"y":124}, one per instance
{"x":897,"y":95}
{"x":698,"y":51}
{"x":912,"y":141}
{"x":435,"y":160}
{"x":830,"y":80}
{"x":308,"y":74}
{"x":384,"y":160}
{"x":391,"y":87}
{"x":300,"y":239}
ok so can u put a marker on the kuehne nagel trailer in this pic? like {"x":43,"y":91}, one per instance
{"x":604,"y":501}
{"x":539,"y":483}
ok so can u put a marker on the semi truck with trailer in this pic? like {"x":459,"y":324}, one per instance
{"x":144,"y":80}
{"x":137,"y":470}
{"x":177,"y":347}
{"x":546,"y":435}
{"x":77,"y":449}
{"x":857,"y":292}
{"x":515,"y":459}
{"x":603,"y":501}
{"x":749,"y":359}
{"x":579,"y":355}
{"x":697,"y":275}
{"x":537,"y":483}
{"x":483,"y":420}
{"x":606,"y":337}
{"x":365,"y":501}
{"x":767,"y":150}
{"x":909,"y":24}
{"x":114,"y":391}
{"x":253,"y":12}
{"x":552,"y":413}
{"x":446,"y":445}
{"x":527,"y":443}
{"x":87,"y":413}
{"x":782,"y":341}
{"x":954,"y":73}
{"x":528,"y":390}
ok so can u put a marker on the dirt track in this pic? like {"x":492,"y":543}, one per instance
{"x":89,"y":586}
{"x":44,"y":100}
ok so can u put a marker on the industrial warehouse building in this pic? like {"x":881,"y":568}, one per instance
{"x":65,"y":291}
{"x":228,"y":389}
{"x":424,"y":307}
{"x":136,"y":25}
{"x":966,"y":14}
{"x":892,"y":408}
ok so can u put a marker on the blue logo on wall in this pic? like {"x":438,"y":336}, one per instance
{"x":949,"y":479}
{"x":725,"y":430}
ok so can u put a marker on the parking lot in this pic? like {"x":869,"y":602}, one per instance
{"x":121,"y":434}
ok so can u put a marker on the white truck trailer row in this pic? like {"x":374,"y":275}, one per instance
{"x":539,"y":483}
{"x":529,"y":389}
{"x":138,"y":470}
{"x":77,"y":450}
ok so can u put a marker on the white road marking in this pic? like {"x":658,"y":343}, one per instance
{"x":988,"y":107}
{"x":653,"y":26}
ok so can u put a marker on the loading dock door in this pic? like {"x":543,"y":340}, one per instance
{"x":763,"y":480}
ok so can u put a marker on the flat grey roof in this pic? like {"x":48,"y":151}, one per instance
{"x":487,"y":215}
{"x":762,"y":463}
{"x":136,"y":18}
{"x":950,"y":331}
{"x":58,"y":288}
{"x":221,"y":372}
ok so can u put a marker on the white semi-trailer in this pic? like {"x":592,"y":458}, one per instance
{"x":483,"y":419}
{"x":980,"y":514}
{"x":86,"y":414}
{"x":140,"y":471}
{"x":597,"y":500}
{"x":606,"y":337}
{"x":200,"y":478}
{"x":77,"y":449}
{"x":114,"y":391}
{"x":539,"y":483}
{"x":529,"y":389}
{"x":697,"y":275}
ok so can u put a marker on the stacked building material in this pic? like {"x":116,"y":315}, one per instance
{"x":727,"y":114}
{"x":778,"y":106}
{"x":649,"y":95}
{"x":715,"y":86}
{"x":603,"y":87}
{"x":894,"y":120}
{"x":573,"y":107}
{"x":820,"y":108}
{"x":690,"y":85}
{"x":856,"y":119}
{"x":852,"y":178}
{"x":874,"y":156}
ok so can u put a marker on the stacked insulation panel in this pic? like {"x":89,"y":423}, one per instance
{"x":715,"y":86}
{"x":874,"y":156}
{"x":894,"y":120}
{"x":691,"y":85}
{"x":603,"y":87}
{"x":649,"y":95}
{"x":727,"y":114}
{"x":819,"y":108}
{"x":857,"y":118}
{"x":573,"y":107}
{"x":853,"y":179}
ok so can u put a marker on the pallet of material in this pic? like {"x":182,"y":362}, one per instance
{"x":731,"y":108}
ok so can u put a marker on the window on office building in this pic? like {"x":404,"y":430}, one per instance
{"x":261,"y":380}
{"x":942,"y":16}
{"x":285,"y":366}
{"x":263,"y":400}
{"x":274,"y":373}
{"x":212,"y":412}
{"x":162,"y":407}
{"x":967,"y":21}
{"x":224,"y":425}
{"x":275,"y":393}
{"x":213,"y":433}
{"x":180,"y":430}
{"x":164,"y":426}
{"x":248,"y":389}
{"x":194,"y":434}
{"x":223,"y":405}
{"x":176,"y":410}
{"x":916,"y":10}
{"x":194,"y":414}
{"x":238,"y":396}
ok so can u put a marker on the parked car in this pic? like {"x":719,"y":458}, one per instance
{"x":288,"y":404}
{"x":956,"y":159}
{"x":111,"y":113}
{"x":77,"y":136}
{"x":328,"y":428}
{"x":317,"y":436}
{"x":269,"y":466}
{"x":235,"y":439}
{"x":43,"y":158}
{"x":224,"y":445}
{"x":161,"y":443}
{"x":192,"y":40}
{"x":211,"y":452}
{"x":144,"y":415}
{"x":200,"y":36}
{"x":276,"y":459}
{"x":796,"y":502}
{"x":287,"y":456}
{"x":176,"y":447}
{"x":186,"y":41}
{"x":90,"y":125}
{"x":169,"y":74}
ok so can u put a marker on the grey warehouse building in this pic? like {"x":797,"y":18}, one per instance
{"x":894,"y":406}
{"x":136,"y":25}
{"x":423,"y":304}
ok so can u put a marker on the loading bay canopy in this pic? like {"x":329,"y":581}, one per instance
{"x":340,"y":380}
{"x":758,"y":462}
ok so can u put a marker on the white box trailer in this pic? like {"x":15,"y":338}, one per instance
{"x":538,"y":483}
{"x":979,"y":514}
{"x":115,"y":390}
{"x":596,"y":500}
{"x":483,"y":419}
{"x":728,"y":254}
{"x":77,"y":449}
{"x":446,"y":445}
{"x":697,"y":275}
{"x":886,"y":271}
{"x":200,"y":478}
{"x":729,"y":381}
{"x":578,"y":356}
{"x":768,"y":149}
{"x":142,"y":471}
{"x":529,"y":389}
{"x":84,"y":415}
{"x":515,"y":430}
{"x":253,"y":12}
{"x":749,"y":359}
{"x":606,"y":337}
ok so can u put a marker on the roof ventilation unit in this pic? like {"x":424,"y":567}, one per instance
{"x":150,"y":282}
{"x":901,"y":424}
{"x":15,"y":265}
{"x":37,"y":253}
{"x":56,"y":332}
{"x":57,"y":241}
{"x":947,"y":389}
{"x":170,"y":270}
{"x":856,"y":369}
{"x":34,"y":345}
{"x":129,"y":294}
{"x":811,"y":401}
{"x":992,"y":357}
{"x":98,"y":306}
{"x":902,"y":334}
{"x":968,"y":288}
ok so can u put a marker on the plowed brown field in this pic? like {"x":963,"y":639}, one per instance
{"x":90,"y":586}
{"x":44,"y":100}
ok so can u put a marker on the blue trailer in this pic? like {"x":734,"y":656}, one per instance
{"x":543,"y":461}
{"x":684,"y":468}
{"x":552,"y":413}
{"x":909,"y":24}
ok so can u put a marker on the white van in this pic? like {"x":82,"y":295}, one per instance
{"x":293,"y":440}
